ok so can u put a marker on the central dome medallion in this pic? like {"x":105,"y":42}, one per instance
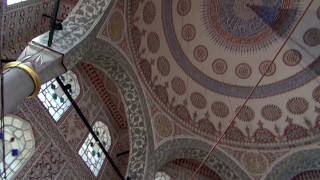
{"x":247,"y":25}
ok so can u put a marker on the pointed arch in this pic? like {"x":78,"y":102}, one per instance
{"x":110,"y":60}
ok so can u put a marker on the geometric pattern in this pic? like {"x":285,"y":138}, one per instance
{"x":54,"y":99}
{"x":253,"y":23}
{"x":90,"y":151}
{"x":197,"y":74}
{"x":295,"y":164}
{"x":196,"y":150}
{"x":18,"y":136}
{"x":23,"y":22}
{"x":128,"y":106}
{"x":135,"y":105}
{"x":109,"y":93}
{"x":49,"y":164}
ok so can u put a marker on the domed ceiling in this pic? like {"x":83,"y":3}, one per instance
{"x":199,"y":60}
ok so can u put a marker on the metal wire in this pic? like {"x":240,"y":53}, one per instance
{"x":249,"y":96}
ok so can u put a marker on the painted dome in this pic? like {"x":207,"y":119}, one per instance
{"x":199,"y":60}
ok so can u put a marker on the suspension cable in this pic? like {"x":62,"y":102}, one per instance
{"x":249,"y":96}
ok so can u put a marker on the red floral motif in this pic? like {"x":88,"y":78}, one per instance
{"x":64,"y":128}
{"x":183,"y":113}
{"x":115,"y":110}
{"x":297,"y":105}
{"x":146,"y":69}
{"x":149,"y":12}
{"x":235,"y":134}
{"x":316,"y":94}
{"x":294,"y":132}
{"x":271,"y":112}
{"x":219,"y":66}
{"x":243,"y":71}
{"x":188,"y":32}
{"x":292,"y":57}
{"x":136,"y":34}
{"x":317,"y":124}
{"x":65,"y":9}
{"x":21,"y":20}
{"x":153,"y":42}
{"x":12,"y":25}
{"x":161,"y":93}
{"x":22,"y":13}
{"x":312,"y":37}
{"x":264,"y":66}
{"x":11,"y":32}
{"x":183,"y":7}
{"x":30,"y":9}
{"x":178,"y":85}
{"x":246,"y":114}
{"x":13,"y":14}
{"x":200,"y":53}
{"x":163,"y":66}
{"x":206,"y":126}
{"x":198,"y":100}
{"x":220,"y":109}
{"x":262,"y":135}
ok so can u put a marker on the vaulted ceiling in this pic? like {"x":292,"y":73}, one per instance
{"x":198,"y":61}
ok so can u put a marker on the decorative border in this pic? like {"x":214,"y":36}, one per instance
{"x":219,"y":162}
{"x":103,"y":55}
{"x":54,"y":135}
{"x":294,"y":164}
{"x":78,"y":25}
{"x":106,"y":57}
{"x":288,"y":84}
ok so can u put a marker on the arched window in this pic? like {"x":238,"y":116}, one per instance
{"x":90,"y":151}
{"x":160,"y":175}
{"x":19,"y":144}
{"x":54,"y":99}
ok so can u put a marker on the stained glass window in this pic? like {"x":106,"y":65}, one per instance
{"x":19,"y":144}
{"x":90,"y":151}
{"x":10,"y":2}
{"x":53,"y":98}
{"x":160,"y":175}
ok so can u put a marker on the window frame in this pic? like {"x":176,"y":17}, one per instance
{"x":66,"y":109}
{"x":83,"y":141}
{"x":22,"y":153}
